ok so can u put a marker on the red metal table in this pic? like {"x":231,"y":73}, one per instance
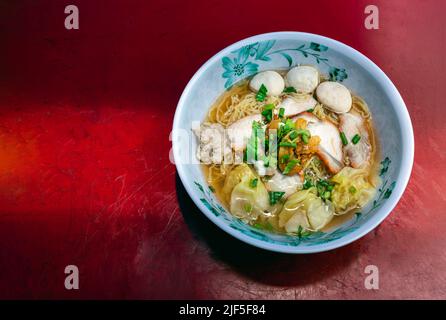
{"x":85,"y":177}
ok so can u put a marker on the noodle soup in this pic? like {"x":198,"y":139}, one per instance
{"x":289,"y":151}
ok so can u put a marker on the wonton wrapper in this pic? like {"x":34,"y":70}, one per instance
{"x":347,"y":180}
{"x":243,"y":196}
{"x":305,"y":209}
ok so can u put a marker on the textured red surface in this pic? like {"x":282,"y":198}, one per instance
{"x":84,"y":146}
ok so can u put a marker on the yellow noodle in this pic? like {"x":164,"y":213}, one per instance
{"x":237,"y":103}
{"x":359,"y":105}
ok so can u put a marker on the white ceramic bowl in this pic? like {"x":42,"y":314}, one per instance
{"x":279,"y":50}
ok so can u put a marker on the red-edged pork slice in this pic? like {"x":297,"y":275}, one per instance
{"x":359,"y":154}
{"x":330,"y":147}
{"x":240,"y":131}
{"x":295,"y":106}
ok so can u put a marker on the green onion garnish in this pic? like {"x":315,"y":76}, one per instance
{"x":293,"y":135}
{"x":281,"y":112}
{"x":288,"y":144}
{"x":284,"y":158}
{"x":289,"y":90}
{"x":356,"y":138}
{"x":290,"y":166}
{"x":261,"y":94}
{"x":303,"y":132}
{"x":253,"y":183}
{"x":252,"y":146}
{"x":352,"y":190}
{"x":343,"y":138}
{"x":275,"y":196}
{"x":247,"y":207}
{"x":305,"y":138}
{"x":310,"y":110}
{"x":268,"y":114}
{"x":307,"y":184}
{"x":269,"y":226}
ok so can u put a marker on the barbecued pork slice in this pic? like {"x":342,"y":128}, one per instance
{"x":330,"y":147}
{"x":240,"y":131}
{"x":359,"y":154}
{"x":295,"y":106}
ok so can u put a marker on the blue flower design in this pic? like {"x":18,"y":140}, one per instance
{"x":337,"y":74}
{"x":238,"y":67}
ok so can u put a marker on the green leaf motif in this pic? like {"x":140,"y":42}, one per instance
{"x":288,"y":57}
{"x":199,"y":186}
{"x":240,"y":64}
{"x":384,"y":166}
{"x":337,"y":74}
{"x":389,"y":191}
{"x":263,"y":49}
{"x":210,"y":207}
{"x":317,"y":47}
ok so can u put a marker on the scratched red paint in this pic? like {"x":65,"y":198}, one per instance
{"x":85,"y":176}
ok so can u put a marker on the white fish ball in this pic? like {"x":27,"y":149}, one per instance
{"x":272,"y":80}
{"x":334,"y":96}
{"x":303,"y":78}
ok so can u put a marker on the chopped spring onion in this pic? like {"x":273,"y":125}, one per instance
{"x":287,"y":144}
{"x":356,"y":138}
{"x":326,"y":195}
{"x":324,"y":188}
{"x":268,"y":114}
{"x":287,"y":127}
{"x":284,"y":158}
{"x":247,"y":207}
{"x":343,"y":138}
{"x":252,"y":146}
{"x":289,"y":90}
{"x":293,"y":135}
{"x":261,"y":94}
{"x":307,"y":184}
{"x":281,"y":112}
{"x":301,"y":232}
{"x":290,"y":166}
{"x":275,"y":196}
{"x":303,"y":132}
{"x":352,"y":190}
{"x":305,"y":138}
{"x":253,"y":182}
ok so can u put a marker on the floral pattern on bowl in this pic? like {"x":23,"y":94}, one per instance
{"x":242,"y":63}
